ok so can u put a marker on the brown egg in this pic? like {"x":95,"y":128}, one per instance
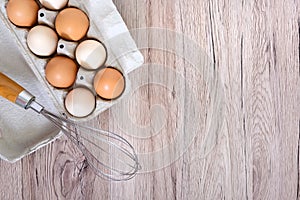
{"x":72,"y":24}
{"x":22,"y":13}
{"x":61,"y":72}
{"x":109,"y":83}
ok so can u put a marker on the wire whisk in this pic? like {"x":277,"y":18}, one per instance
{"x":108,"y":154}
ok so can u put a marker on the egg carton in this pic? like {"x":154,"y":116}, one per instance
{"x":107,"y":26}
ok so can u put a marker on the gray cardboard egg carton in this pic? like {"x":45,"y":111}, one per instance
{"x":106,"y":25}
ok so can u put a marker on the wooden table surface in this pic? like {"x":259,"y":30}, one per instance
{"x":230,"y":124}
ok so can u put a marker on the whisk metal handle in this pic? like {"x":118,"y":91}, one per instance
{"x":15,"y":93}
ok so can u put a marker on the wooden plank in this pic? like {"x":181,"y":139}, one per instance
{"x":191,"y":176}
{"x":11,"y":181}
{"x":271,"y":84}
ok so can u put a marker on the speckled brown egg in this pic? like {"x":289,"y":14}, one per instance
{"x":61,"y":72}
{"x":109,"y":83}
{"x":22,"y":12}
{"x":72,"y":24}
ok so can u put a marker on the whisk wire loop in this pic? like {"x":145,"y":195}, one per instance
{"x":121,"y":159}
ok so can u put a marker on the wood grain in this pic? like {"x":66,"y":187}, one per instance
{"x":9,"y":89}
{"x":254,"y":48}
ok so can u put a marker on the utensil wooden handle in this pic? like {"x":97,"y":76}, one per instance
{"x":9,"y":89}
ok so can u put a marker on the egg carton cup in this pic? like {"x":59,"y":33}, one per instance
{"x":107,"y":26}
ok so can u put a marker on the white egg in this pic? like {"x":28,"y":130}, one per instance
{"x":54,"y":4}
{"x":42,"y":40}
{"x":80,"y":102}
{"x":91,"y":54}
